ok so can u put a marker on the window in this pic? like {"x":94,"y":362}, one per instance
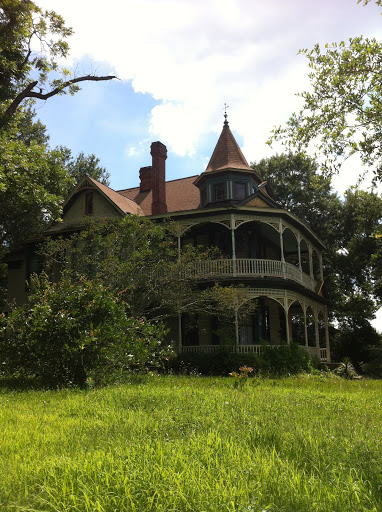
{"x":204,"y":196}
{"x":89,"y":203}
{"x":239,"y":190}
{"x":219,"y":191}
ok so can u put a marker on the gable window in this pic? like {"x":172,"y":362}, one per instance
{"x":239,"y":190}
{"x":89,"y":203}
{"x":219,"y":191}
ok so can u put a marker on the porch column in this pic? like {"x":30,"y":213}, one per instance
{"x":304,"y":308}
{"x":179,"y":246}
{"x":310,"y":250}
{"x":286,"y":309}
{"x":282,"y":248}
{"x":180,"y":333}
{"x":299,"y":252}
{"x":233,"y":243}
{"x":327,"y":342}
{"x":321,"y":267}
{"x":316,"y":334}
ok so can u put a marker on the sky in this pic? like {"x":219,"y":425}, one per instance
{"x":178,"y":63}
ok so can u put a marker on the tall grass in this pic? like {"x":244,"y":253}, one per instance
{"x":194,"y":444}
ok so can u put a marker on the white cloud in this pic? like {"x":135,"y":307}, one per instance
{"x":194,"y":55}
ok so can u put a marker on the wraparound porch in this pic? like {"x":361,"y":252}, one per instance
{"x":321,"y":353}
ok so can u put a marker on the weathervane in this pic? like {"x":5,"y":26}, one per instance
{"x":225,"y":113}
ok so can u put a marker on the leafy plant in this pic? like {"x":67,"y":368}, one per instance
{"x":70,"y":331}
{"x":346,"y":369}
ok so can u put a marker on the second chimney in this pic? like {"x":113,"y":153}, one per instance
{"x":145,"y":179}
{"x":158,"y":178}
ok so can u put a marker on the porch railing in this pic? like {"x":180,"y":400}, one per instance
{"x":245,"y":349}
{"x":251,"y":268}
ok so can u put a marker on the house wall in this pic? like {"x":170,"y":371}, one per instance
{"x":101,"y":208}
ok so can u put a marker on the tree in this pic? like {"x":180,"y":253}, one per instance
{"x":24,"y":27}
{"x":140,"y":262}
{"x":83,"y":164}
{"x":33,"y":184}
{"x":300,"y":188}
{"x":342,"y":115}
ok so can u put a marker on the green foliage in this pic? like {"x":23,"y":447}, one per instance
{"x":70,"y":331}
{"x":32,"y":186}
{"x":346,"y":369}
{"x":342,"y":115}
{"x":33,"y":44}
{"x":299,"y":187}
{"x":82,"y":164}
{"x":139,"y":260}
{"x":373,"y":367}
{"x":281,"y":360}
{"x":356,"y":342}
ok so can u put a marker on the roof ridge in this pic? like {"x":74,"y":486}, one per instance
{"x":167,"y":181}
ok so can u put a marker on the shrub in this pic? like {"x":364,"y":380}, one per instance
{"x":69,"y":332}
{"x":279,"y":360}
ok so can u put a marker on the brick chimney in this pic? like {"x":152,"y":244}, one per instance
{"x":158,"y":178}
{"x":145,"y":178}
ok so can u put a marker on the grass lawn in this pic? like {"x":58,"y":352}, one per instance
{"x":194,"y":444}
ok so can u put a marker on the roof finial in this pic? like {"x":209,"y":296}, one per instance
{"x":225,"y":113}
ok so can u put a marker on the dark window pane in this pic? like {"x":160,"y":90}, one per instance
{"x":89,"y":203}
{"x":219,"y":191}
{"x":239,"y":190}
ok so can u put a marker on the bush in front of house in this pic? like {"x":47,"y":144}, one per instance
{"x":280,"y":360}
{"x":72,"y":331}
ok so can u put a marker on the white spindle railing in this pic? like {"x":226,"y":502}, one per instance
{"x":245,"y":349}
{"x":250,"y":267}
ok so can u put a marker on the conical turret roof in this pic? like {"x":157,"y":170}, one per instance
{"x":227,"y":154}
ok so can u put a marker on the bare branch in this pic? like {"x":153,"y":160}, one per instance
{"x":28,"y":93}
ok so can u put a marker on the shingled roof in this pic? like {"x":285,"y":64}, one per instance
{"x":122,"y":202}
{"x":181,"y":195}
{"x":227,"y":154}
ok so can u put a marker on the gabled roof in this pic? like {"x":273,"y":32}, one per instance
{"x":121,"y":203}
{"x":227,"y":154}
{"x":181,"y":195}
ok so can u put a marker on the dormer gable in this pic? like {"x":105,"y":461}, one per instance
{"x":91,"y":199}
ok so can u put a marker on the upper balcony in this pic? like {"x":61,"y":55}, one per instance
{"x":256,"y":248}
{"x":252,"y":268}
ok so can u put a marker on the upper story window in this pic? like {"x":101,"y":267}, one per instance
{"x":219,"y":191}
{"x":89,"y":203}
{"x":239,"y":190}
{"x":204,"y":196}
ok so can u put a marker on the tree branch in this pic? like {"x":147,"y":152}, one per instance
{"x":28,"y":93}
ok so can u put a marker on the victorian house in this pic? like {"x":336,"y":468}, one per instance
{"x":264,"y":247}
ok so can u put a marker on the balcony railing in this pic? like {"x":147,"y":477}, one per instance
{"x":245,"y":349}
{"x":250,"y":268}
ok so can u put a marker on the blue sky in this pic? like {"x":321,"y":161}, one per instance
{"x":178,"y":62}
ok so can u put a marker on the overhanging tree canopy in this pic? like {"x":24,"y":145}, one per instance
{"x":32,"y":42}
